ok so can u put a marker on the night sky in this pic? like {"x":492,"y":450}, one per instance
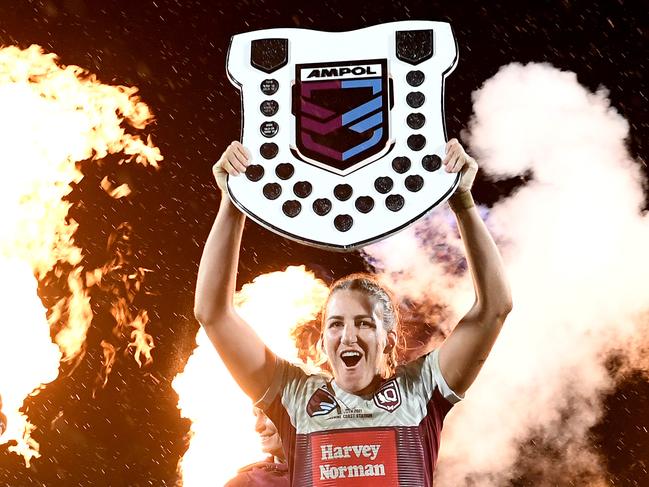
{"x":130,"y":433}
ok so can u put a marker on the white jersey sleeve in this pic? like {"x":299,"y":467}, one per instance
{"x":423,"y":375}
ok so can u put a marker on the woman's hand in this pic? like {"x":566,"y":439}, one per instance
{"x":457,"y":160}
{"x":234,"y":161}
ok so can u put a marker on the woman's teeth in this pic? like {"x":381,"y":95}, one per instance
{"x":350,"y":358}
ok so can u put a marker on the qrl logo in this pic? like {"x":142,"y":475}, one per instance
{"x":341,"y":113}
{"x":388,"y":397}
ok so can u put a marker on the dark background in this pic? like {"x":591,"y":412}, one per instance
{"x":130,"y":432}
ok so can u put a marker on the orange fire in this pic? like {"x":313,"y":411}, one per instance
{"x":53,"y":117}
{"x":222,"y":432}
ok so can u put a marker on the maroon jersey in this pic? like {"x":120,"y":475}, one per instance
{"x":261,"y":474}
{"x":331,"y":437}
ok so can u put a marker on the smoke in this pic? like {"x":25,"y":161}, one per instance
{"x":573,"y":240}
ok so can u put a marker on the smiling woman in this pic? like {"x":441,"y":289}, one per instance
{"x":359,"y":332}
{"x":271,"y":472}
{"x":370,"y":418}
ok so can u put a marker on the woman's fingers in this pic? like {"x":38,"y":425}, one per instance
{"x":238,"y":154}
{"x":452,"y":146}
{"x":238,"y":157}
{"x":451,"y":151}
{"x":458,"y":162}
{"x":454,"y":161}
{"x":452,"y":143}
{"x":224,"y":165}
{"x":237,"y":164}
{"x":230,"y":167}
{"x":242,"y":150}
{"x":234,"y":160}
{"x":456,"y":158}
{"x":222,"y":168}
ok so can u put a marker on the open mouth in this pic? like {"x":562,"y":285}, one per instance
{"x":351,"y":358}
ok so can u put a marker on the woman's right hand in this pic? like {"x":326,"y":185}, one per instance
{"x":234,"y":161}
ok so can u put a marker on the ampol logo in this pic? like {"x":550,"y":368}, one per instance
{"x":388,"y":397}
{"x":341,"y":112}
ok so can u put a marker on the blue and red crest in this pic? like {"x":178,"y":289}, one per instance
{"x":342,"y":112}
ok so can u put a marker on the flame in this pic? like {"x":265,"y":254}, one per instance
{"x":122,"y":282}
{"x":53,"y":117}
{"x":115,"y":191}
{"x":109,"y":360}
{"x":222,"y":421}
{"x":77,"y":305}
{"x":142,"y":342}
{"x":28,"y":357}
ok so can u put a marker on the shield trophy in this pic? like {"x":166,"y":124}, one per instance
{"x":346,"y":129}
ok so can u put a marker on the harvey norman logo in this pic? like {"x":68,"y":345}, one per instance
{"x":348,"y":71}
{"x":349,"y":458}
{"x":356,"y":452}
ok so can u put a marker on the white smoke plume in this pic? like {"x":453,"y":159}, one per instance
{"x":574,"y":243}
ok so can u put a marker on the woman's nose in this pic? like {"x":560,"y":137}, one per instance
{"x":349,"y":335}
{"x":259,"y":424}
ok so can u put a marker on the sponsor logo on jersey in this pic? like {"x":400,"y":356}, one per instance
{"x":388,"y":397}
{"x":346,"y":458}
{"x":322,"y":402}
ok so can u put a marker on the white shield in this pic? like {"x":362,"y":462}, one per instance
{"x":346,"y":129}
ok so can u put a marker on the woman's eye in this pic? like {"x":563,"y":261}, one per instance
{"x":366,"y":324}
{"x":335,"y":324}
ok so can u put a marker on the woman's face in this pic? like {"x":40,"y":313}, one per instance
{"x":270,"y":440}
{"x":355,"y":340}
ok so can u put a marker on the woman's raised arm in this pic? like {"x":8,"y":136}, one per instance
{"x":463,"y":353}
{"x":249,"y":361}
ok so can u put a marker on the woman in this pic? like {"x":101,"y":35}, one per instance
{"x":272,"y":472}
{"x":369,"y":420}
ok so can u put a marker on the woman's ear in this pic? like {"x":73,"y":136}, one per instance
{"x":320,"y":347}
{"x":391,"y":341}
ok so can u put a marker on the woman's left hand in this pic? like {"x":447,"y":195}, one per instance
{"x":457,"y":160}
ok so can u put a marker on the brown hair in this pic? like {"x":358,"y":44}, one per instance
{"x":368,"y":284}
